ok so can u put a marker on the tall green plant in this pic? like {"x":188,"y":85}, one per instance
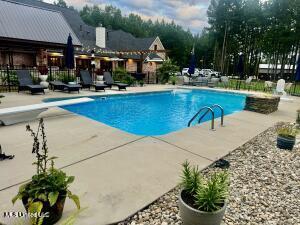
{"x":48,"y":183}
{"x":208,"y":193}
{"x":120,"y":74}
{"x":167,"y":69}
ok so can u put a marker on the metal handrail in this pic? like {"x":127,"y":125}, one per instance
{"x":222,"y":112}
{"x":208,"y":109}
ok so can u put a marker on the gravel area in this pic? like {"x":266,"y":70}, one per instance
{"x":264,"y":188}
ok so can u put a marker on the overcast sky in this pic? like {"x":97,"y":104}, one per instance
{"x":188,"y":13}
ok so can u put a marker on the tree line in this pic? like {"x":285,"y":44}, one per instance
{"x":263,"y":31}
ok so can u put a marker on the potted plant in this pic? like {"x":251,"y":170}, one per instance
{"x":286,"y":137}
{"x":141,"y":83}
{"x":43,"y":70}
{"x":298,"y":118}
{"x":44,"y":196}
{"x":202,"y":201}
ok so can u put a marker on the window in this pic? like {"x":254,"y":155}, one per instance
{"x":155,"y":47}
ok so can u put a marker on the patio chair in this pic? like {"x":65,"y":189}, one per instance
{"x":87,"y":81}
{"x":109,"y":81}
{"x":280,"y":87}
{"x":26,"y":83}
{"x":58,"y":85}
{"x":213,"y":82}
{"x":225,"y":81}
{"x":186,"y":80}
{"x":248,"y":83}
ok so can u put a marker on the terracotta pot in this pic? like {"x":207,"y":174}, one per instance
{"x":285,"y":142}
{"x":191,"y":216}
{"x":54,"y":212}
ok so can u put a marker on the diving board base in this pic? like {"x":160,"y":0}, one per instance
{"x":20,"y":117}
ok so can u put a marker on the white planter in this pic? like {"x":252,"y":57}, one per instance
{"x":44,"y":82}
{"x":99,"y":78}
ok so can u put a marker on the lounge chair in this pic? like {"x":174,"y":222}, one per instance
{"x":87,"y":81}
{"x":58,"y":85}
{"x":186,"y":80}
{"x":26,"y":84}
{"x":9,"y":116}
{"x":201,"y":81}
{"x":213,"y":82}
{"x":248,"y":84}
{"x":109,"y":81}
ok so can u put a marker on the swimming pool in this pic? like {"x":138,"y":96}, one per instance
{"x":155,"y":113}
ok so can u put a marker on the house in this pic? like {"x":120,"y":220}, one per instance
{"x":35,"y":33}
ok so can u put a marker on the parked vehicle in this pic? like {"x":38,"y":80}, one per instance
{"x":185,"y":72}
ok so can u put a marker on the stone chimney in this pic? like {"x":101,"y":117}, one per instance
{"x":101,"y":37}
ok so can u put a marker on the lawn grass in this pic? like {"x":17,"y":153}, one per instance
{"x":258,"y":86}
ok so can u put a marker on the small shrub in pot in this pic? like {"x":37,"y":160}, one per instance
{"x":286,"y":137}
{"x":202,"y":201}
{"x":44,"y":196}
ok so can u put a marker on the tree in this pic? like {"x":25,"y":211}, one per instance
{"x":167,"y":69}
{"x":61,"y":3}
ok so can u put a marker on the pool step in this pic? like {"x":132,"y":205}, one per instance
{"x":207,"y":110}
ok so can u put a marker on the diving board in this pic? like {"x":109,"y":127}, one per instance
{"x":9,"y":116}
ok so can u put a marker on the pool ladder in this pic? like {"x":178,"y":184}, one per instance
{"x":208,"y":110}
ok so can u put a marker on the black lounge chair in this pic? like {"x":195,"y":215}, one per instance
{"x":109,"y":81}
{"x":58,"y":85}
{"x":87,"y":81}
{"x":26,"y":84}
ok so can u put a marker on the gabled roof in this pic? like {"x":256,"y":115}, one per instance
{"x":153,"y":57}
{"x":29,"y":23}
{"x":119,"y":40}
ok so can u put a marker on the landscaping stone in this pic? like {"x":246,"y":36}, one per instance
{"x":264,"y":188}
{"x":262,"y":103}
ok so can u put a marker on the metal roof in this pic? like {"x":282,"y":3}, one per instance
{"x":30,"y":23}
{"x":120,"y":40}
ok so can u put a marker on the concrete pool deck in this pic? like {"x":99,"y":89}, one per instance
{"x":117,"y":173}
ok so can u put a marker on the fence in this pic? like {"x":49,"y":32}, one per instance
{"x":9,"y":80}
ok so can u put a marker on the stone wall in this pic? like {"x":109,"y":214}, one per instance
{"x":262,"y":104}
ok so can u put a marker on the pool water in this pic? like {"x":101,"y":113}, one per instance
{"x":156,"y":113}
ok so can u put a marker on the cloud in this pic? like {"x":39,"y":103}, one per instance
{"x":191,"y":14}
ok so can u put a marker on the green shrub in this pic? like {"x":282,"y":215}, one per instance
{"x":120,"y":74}
{"x":173,"y":79}
{"x":12,"y":77}
{"x":167,"y":69}
{"x":288,"y":131}
{"x":64,"y":77}
{"x":213,"y":192}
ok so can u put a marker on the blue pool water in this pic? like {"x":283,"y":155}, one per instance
{"x":156,"y":113}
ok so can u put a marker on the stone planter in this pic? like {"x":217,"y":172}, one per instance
{"x":285,"y":142}
{"x":191,"y":216}
{"x":262,"y":104}
{"x":44,"y":82}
